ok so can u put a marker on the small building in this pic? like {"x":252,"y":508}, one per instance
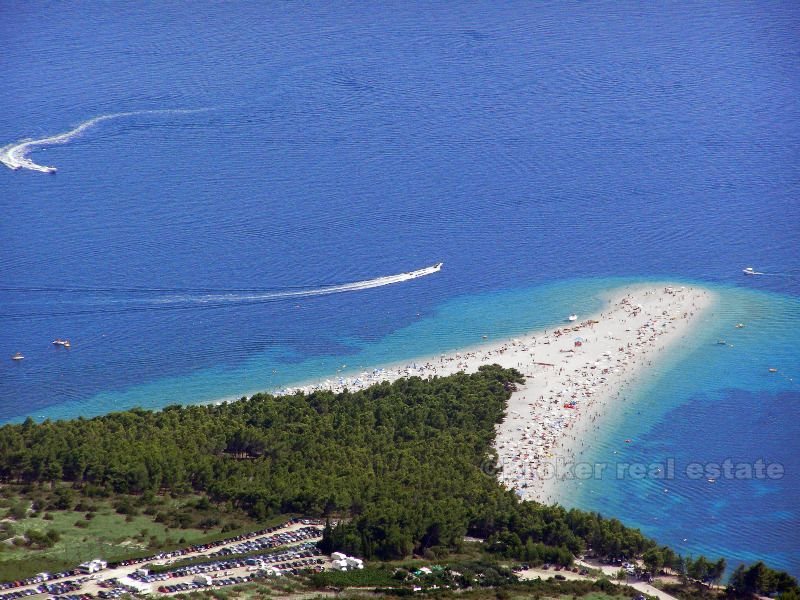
{"x":342,"y":562}
{"x":134,"y":585}
{"x":92,"y":566}
{"x":339,"y":565}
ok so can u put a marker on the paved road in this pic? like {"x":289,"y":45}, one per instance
{"x":91,"y":586}
{"x":608,"y":570}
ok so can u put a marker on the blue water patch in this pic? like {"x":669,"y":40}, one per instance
{"x":522,"y":144}
{"x":461,"y":322}
{"x":724,"y":424}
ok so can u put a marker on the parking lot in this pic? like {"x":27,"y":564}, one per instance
{"x":299,"y":535}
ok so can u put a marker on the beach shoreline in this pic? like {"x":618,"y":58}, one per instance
{"x":575,"y":376}
{"x":542,"y":441}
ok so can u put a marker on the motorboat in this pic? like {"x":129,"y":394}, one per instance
{"x":751,"y":271}
{"x":739,"y":325}
{"x":51,"y":170}
{"x":60,"y":342}
{"x":17,"y":356}
{"x":572,"y":318}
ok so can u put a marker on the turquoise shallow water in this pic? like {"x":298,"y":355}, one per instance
{"x":455,"y":324}
{"x":540,"y":150}
{"x":704,"y":403}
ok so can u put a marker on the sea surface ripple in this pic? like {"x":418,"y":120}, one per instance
{"x":541,"y":151}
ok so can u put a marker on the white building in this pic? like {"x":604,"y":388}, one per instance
{"x":92,"y":566}
{"x":342,"y":562}
{"x":134,"y":585}
{"x":354,"y":563}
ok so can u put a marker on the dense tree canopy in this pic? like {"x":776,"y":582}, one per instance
{"x":759,"y":579}
{"x":404,"y":456}
{"x":399,"y":465}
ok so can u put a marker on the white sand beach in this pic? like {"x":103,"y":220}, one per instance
{"x":574,"y":373}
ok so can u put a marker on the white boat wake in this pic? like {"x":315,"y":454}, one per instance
{"x":15,"y":156}
{"x":125,"y":300}
{"x":303,"y":293}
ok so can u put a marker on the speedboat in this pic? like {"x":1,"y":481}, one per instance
{"x":438,"y":266}
{"x":751,"y":271}
{"x":572,"y":318}
{"x":739,"y":325}
{"x":60,"y":342}
{"x":17,"y":356}
{"x":50,"y":170}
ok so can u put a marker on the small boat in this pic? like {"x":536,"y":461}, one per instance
{"x":773,"y":370}
{"x":17,"y":356}
{"x":711,"y":480}
{"x":751,"y":271}
{"x":51,"y":170}
{"x":722,"y":343}
{"x":739,"y":325}
{"x":60,"y":342}
{"x":572,"y":318}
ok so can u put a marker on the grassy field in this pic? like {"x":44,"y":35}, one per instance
{"x":103,"y":531}
{"x":259,"y":591}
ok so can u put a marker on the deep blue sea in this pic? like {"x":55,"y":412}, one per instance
{"x":256,"y":154}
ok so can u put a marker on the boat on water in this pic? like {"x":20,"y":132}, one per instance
{"x":751,"y":271}
{"x":51,"y":170}
{"x":722,"y":343}
{"x":60,"y":342}
{"x":17,"y":356}
{"x":739,"y":325}
{"x":426,"y":271}
{"x":572,"y":317}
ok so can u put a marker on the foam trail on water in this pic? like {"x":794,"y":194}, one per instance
{"x":15,"y":156}
{"x":121,"y":304}
{"x":320,"y":291}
